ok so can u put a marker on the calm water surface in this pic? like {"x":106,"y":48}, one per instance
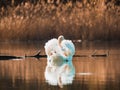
{"x":91,"y":73}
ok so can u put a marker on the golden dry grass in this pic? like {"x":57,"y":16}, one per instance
{"x":80,"y":20}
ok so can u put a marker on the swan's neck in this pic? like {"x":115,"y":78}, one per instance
{"x":60,"y":39}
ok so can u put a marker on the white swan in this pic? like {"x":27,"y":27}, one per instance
{"x":59,"y":70}
{"x":60,"y":46}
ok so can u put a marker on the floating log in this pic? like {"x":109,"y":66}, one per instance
{"x":102,"y":55}
{"x":44,"y":56}
{"x":81,"y":56}
{"x":37,"y":55}
{"x":9,"y":57}
{"x":98,"y":55}
{"x":93,"y":55}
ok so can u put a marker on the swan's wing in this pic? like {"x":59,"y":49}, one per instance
{"x":68,"y":47}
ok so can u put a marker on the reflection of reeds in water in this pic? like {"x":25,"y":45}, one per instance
{"x":101,"y":71}
{"x":90,"y":21}
{"x":26,"y":70}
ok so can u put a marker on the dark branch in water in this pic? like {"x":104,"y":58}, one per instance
{"x":37,"y":55}
{"x":98,"y":55}
{"x":9,"y":57}
{"x":44,"y":56}
{"x":93,"y":55}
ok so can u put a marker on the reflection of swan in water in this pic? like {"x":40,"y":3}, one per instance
{"x":59,"y":70}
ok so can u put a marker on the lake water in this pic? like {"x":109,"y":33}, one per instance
{"x":91,"y":73}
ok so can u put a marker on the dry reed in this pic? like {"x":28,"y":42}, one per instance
{"x":81,"y":20}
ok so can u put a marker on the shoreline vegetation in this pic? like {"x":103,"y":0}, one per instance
{"x":40,"y":20}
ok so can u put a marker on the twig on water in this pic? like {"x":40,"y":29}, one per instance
{"x":37,"y":55}
{"x":4,"y":57}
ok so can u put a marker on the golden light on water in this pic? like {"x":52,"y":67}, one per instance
{"x":90,"y":72}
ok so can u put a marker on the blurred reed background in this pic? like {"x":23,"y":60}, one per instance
{"x":44,"y":19}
